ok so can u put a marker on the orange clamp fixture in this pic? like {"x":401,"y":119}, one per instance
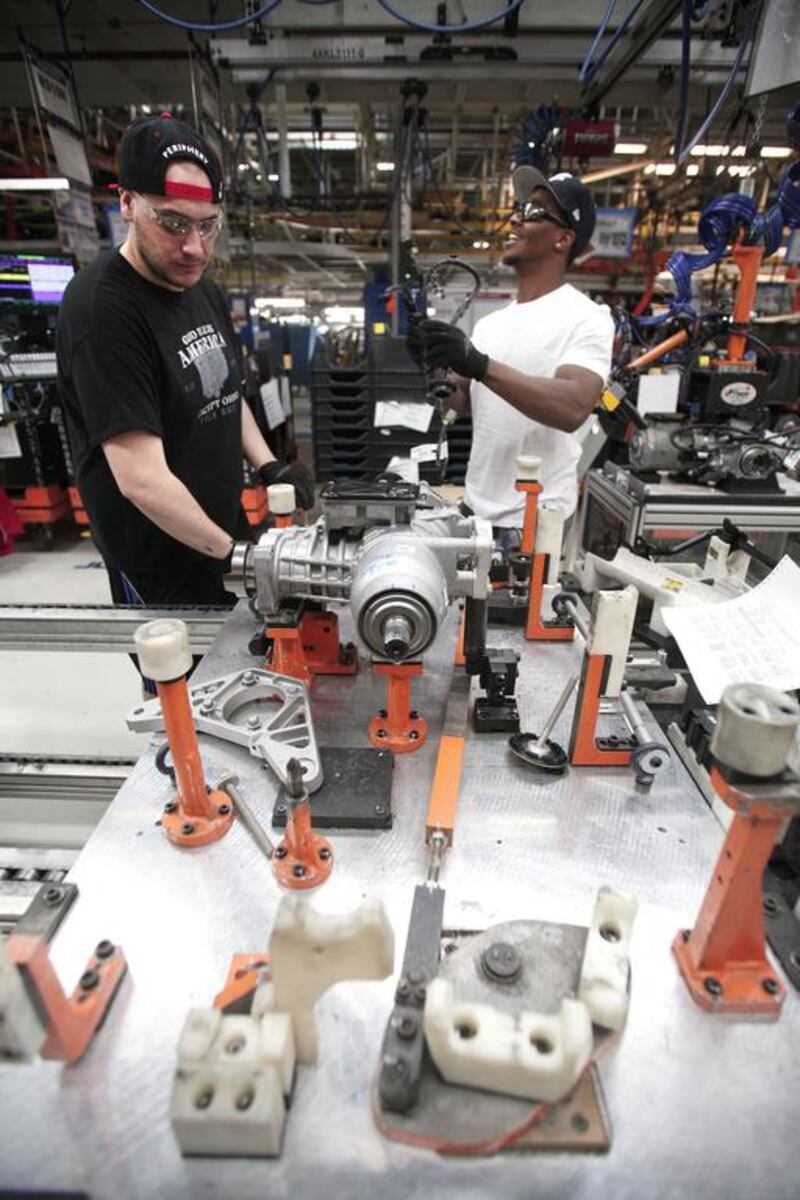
{"x":398,"y":727}
{"x":537,"y":630}
{"x":303,"y":859}
{"x":532,"y":489}
{"x":196,"y":815}
{"x":723,"y":959}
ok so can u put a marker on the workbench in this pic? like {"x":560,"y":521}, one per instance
{"x":700,"y":1106}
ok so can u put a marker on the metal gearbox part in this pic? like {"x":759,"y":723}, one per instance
{"x":398,"y":560}
{"x":756,"y":727}
{"x":268,"y":713}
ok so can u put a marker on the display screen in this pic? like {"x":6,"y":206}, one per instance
{"x":34,"y":279}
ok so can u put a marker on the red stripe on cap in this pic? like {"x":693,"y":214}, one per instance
{"x":188,"y":191}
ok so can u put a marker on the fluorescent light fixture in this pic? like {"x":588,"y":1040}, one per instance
{"x":344,"y":314}
{"x":384,"y":166}
{"x":480,"y":245}
{"x":692,"y":169}
{"x":665,"y":168}
{"x":630,"y":148}
{"x":273,"y":178}
{"x":775,"y":152}
{"x":714,"y":151}
{"x":280,"y":302}
{"x":44,"y":183}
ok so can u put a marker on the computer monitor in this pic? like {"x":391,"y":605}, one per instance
{"x":34,"y":278}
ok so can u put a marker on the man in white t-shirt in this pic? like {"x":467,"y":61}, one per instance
{"x":534,"y":371}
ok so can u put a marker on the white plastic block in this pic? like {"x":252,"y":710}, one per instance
{"x":21,"y":1031}
{"x":310,"y":951}
{"x":603,"y":986}
{"x":549,"y":537}
{"x":528,"y":467}
{"x":531,"y":1055}
{"x":281,"y":499}
{"x":163,"y":649}
{"x":232,"y":1076}
{"x":613,"y":614}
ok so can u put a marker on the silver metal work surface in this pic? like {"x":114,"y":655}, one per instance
{"x":96,"y":627}
{"x":699,"y":1106}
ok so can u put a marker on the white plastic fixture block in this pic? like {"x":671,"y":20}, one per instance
{"x":603,"y":986}
{"x":531,"y":1055}
{"x":549,"y":537}
{"x":310,"y":951}
{"x":528,"y":467}
{"x":281,"y":499}
{"x":613,"y":614}
{"x":232,"y":1076}
{"x":163,"y":649}
{"x":21,"y":1031}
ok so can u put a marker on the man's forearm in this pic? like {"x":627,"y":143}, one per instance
{"x":559,"y":403}
{"x":170,"y":505}
{"x":255,"y":448}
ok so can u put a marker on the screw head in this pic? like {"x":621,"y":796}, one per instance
{"x":770,"y":986}
{"x":53,"y":896}
{"x":413,"y":735}
{"x":253,"y":722}
{"x":381,"y":733}
{"x":402,"y":991}
{"x":298,"y":870}
{"x":89,"y":979}
{"x":713,"y":986}
{"x":407,"y":1028}
{"x":380,"y":809}
{"x":187,"y":828}
{"x":170,"y":806}
{"x":281,"y":852}
{"x":413,"y":715}
{"x":501,"y":962}
{"x":382,"y":713}
{"x":395,"y":1066}
{"x":280,"y":808}
{"x":324,"y":853}
{"x":770,"y":905}
{"x":104,"y":949}
{"x":223,"y":809}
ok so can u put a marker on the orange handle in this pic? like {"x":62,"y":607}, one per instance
{"x":174,"y":697}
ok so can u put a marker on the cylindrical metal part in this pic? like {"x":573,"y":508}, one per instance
{"x":638,"y":728}
{"x":397,"y":635}
{"x":756,"y":727}
{"x":558,"y":708}
{"x":398,"y":575}
{"x":651,"y":449}
{"x":246,"y":815}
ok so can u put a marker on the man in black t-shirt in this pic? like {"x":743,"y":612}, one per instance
{"x":150,"y":382}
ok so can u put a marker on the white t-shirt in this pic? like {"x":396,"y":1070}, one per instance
{"x":562,"y":328}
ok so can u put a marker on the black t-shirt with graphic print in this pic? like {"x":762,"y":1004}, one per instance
{"x":134,"y":356}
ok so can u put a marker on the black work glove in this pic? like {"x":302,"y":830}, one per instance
{"x":295,"y":473}
{"x":449,"y":347}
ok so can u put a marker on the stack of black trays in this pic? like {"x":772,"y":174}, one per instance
{"x":347,"y":443}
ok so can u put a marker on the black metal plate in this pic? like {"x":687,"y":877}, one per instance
{"x":47,"y":910}
{"x":356,"y":794}
{"x":495,"y":716}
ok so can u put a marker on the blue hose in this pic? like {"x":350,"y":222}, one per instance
{"x":214,"y":26}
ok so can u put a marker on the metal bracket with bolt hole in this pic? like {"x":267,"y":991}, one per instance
{"x":270,"y":714}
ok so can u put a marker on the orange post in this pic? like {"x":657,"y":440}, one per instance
{"x":71,"y":1022}
{"x":303,"y":859}
{"x":283,"y":521}
{"x":197,"y":815}
{"x":748,"y":260}
{"x":324,"y":653}
{"x":460,"y":659}
{"x":532,"y":492}
{"x":537,"y":630}
{"x":398,"y":727}
{"x":584,"y":750}
{"x":656,"y":352}
{"x":288,"y":656}
{"x":723,"y":960}
{"x":245,"y":973}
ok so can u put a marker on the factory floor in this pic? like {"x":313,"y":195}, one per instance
{"x":70,"y":703}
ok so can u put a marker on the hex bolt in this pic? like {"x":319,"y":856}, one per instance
{"x":170,"y":806}
{"x":281,"y":852}
{"x":298,"y":870}
{"x":104,"y":949}
{"x":280,"y":808}
{"x":713,"y":986}
{"x":324,"y":853}
{"x":770,"y":986}
{"x":187,"y":828}
{"x":223,"y":809}
{"x":403,"y":991}
{"x":253,"y":722}
{"x":501,"y":962}
{"x":407,"y":1028}
{"x":89,"y":979}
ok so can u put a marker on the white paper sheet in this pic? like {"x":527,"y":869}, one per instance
{"x":404,"y":412}
{"x":658,"y":393}
{"x":428,"y":452}
{"x":752,"y":639}
{"x":405,"y":468}
{"x":271,"y":400}
{"x":9,"y":442}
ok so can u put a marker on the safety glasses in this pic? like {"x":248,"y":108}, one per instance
{"x":179,"y":226}
{"x":536,"y":212}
